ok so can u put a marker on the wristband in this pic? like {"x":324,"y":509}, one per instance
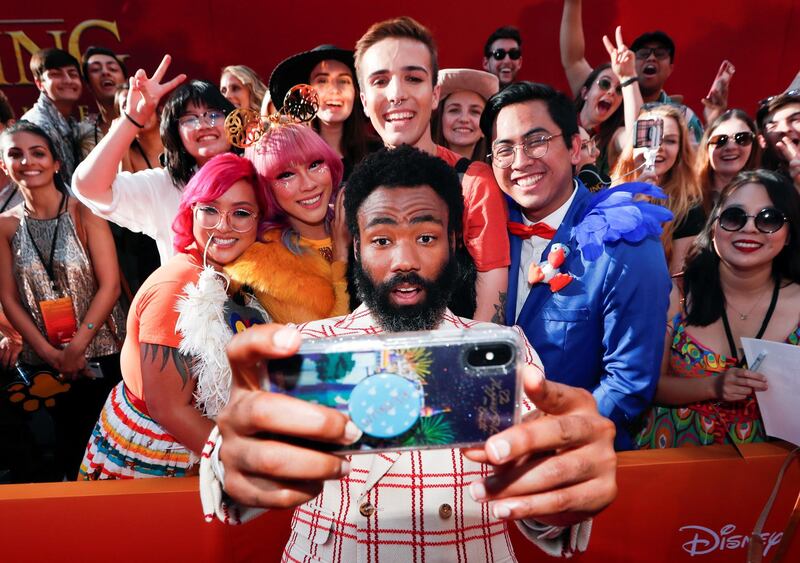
{"x":627,"y":82}
{"x":132,"y":120}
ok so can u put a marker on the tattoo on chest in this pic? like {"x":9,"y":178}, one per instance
{"x":162,"y":355}
{"x":500,"y":309}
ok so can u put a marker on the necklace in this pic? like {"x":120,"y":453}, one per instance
{"x":743,"y":316}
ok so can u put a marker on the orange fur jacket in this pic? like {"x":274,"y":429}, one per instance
{"x":292,"y":288}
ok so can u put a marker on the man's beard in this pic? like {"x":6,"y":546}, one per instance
{"x":425,"y":315}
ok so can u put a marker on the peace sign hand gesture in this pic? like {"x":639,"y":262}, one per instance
{"x":145,"y":93}
{"x":623,"y":61}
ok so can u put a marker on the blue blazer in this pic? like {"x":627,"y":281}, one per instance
{"x":605,"y":330}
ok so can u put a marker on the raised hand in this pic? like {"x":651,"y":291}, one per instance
{"x":791,"y":153}
{"x":557,"y":466}
{"x":716,"y":101}
{"x":145,"y":92}
{"x":623,"y":61}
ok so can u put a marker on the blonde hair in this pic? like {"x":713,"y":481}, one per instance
{"x":679,"y":183}
{"x":251,"y":81}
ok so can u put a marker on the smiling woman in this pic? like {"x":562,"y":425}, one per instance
{"x":741,"y":280}
{"x":176,"y":378}
{"x":192,"y":133}
{"x":297,"y":268}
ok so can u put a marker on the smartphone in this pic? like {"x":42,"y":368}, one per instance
{"x":94,"y":370}
{"x":412,"y":390}
{"x":649,"y":133}
{"x":723,"y":78}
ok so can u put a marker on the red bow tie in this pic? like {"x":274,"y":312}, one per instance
{"x":542,"y":230}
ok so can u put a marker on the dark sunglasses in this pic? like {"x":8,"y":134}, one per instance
{"x":500,"y":54}
{"x":768,"y":220}
{"x":605,"y":85}
{"x":645,"y":52}
{"x":768,"y":99}
{"x":743,"y":139}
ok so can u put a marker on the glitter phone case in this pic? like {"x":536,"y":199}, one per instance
{"x":413,"y":390}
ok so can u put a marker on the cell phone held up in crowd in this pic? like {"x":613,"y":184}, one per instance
{"x":648,"y":135}
{"x":412,"y":390}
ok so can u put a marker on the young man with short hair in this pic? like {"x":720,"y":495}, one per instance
{"x":103,"y":72}
{"x":778,"y":120}
{"x":655,"y":57}
{"x":604,"y":329}
{"x":397,"y":69}
{"x":502,"y":54}
{"x":57,"y":75}
{"x":404,"y":208}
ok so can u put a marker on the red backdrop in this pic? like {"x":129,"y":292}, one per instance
{"x":203,"y":36}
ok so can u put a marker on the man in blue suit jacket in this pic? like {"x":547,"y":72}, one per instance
{"x":604,"y":331}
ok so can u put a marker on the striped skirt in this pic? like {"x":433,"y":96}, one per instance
{"x":127,"y":444}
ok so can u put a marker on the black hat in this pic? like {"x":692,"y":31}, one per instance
{"x":655,"y":37}
{"x":297,"y":69}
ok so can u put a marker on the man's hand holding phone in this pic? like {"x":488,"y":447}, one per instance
{"x":265,"y":472}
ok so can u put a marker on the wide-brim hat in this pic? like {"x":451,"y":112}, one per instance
{"x":485,"y":84}
{"x":297,"y":69}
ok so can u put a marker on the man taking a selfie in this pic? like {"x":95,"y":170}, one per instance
{"x":405,"y":209}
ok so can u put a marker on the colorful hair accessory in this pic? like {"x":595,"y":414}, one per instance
{"x":245,"y":127}
{"x":616,"y":214}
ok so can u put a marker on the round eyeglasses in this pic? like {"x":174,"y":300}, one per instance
{"x":209,"y":217}
{"x":534,"y":146}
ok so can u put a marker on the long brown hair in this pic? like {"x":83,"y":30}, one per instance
{"x":705,"y":173}
{"x":480,"y":150}
{"x":679,"y":183}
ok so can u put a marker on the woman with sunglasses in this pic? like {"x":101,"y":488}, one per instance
{"x":192,"y":132}
{"x":673,"y":171}
{"x":175,"y":375}
{"x":727,"y":148}
{"x":607,"y":98}
{"x":742,"y":279}
{"x":297,"y":269}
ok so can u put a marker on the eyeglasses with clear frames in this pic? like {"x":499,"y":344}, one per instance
{"x":534,"y":146}
{"x":209,"y":217}
{"x":209,"y":117}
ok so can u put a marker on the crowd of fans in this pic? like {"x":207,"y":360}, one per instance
{"x":113,"y":227}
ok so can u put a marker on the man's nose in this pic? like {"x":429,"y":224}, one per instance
{"x":405,"y":257}
{"x":395,"y":90}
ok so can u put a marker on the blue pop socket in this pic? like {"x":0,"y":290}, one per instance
{"x":385,"y":405}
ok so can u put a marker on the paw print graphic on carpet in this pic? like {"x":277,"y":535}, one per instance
{"x":42,"y":391}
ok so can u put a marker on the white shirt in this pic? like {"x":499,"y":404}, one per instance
{"x":533,"y":248}
{"x":143,"y":202}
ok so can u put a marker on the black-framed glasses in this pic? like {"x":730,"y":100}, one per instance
{"x":768,"y":220}
{"x":209,"y":117}
{"x":791,"y":93}
{"x":513,"y":53}
{"x":534,"y":146}
{"x":209,"y":217}
{"x":660,"y":53}
{"x":605,"y":84}
{"x":743,"y":139}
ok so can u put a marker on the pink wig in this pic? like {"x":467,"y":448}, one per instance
{"x":210,"y":182}
{"x":286,"y":146}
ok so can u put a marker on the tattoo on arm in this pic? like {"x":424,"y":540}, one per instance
{"x":162,"y":354}
{"x":500,"y":309}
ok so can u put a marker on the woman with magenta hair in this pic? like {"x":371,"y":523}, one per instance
{"x":175,"y":375}
{"x":297,"y":269}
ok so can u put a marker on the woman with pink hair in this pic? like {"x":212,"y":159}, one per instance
{"x":297,"y":269}
{"x":175,"y":375}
